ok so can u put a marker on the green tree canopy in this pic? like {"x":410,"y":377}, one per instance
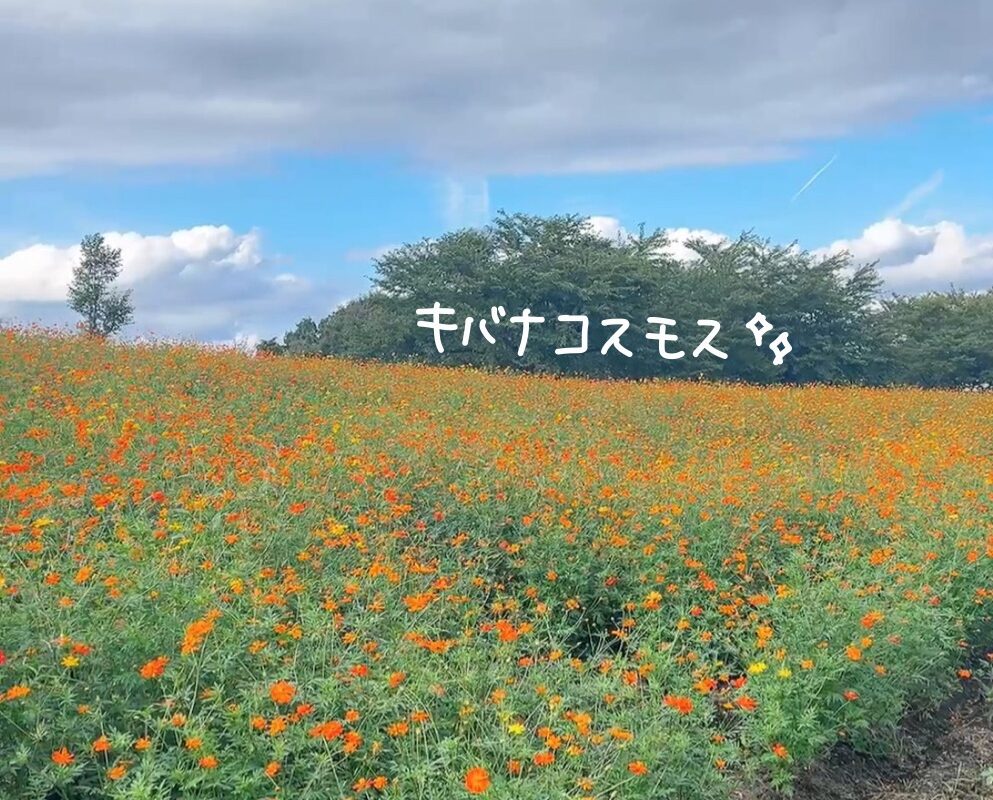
{"x":104,"y":310}
{"x":840,"y":331}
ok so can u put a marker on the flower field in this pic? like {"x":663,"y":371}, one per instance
{"x":227,"y":577}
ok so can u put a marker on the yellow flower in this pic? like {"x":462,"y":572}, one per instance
{"x":785,"y":672}
{"x":515,"y":729}
{"x":757,"y":668}
{"x":70,"y":661}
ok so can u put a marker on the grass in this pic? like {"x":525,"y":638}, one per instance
{"x":274,"y":578}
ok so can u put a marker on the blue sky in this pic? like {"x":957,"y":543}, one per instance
{"x":322,"y":214}
{"x":310,"y":193}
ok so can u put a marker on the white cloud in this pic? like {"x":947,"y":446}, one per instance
{"x":607,"y":227}
{"x":207,"y":282}
{"x":472,"y":88}
{"x":677,"y":245}
{"x":678,"y":238}
{"x":919,"y":258}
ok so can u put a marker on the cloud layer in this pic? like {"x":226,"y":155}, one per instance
{"x":207,"y":283}
{"x":918,"y":258}
{"x":476,"y":88}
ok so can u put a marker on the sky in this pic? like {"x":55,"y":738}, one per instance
{"x":252,"y":158}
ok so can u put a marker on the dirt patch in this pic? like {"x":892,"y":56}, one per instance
{"x":948,"y":756}
{"x":944,"y":754}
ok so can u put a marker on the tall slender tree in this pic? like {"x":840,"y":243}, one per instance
{"x":104,"y":310}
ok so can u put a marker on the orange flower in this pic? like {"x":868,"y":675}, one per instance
{"x":116,"y":772}
{"x":477,"y":780}
{"x":872,"y":618}
{"x":850,"y":695}
{"x":101,"y":745}
{"x":638,"y":768}
{"x":780,"y":751}
{"x":746,"y":703}
{"x":327,"y":730}
{"x":62,"y":757}
{"x":143,"y":743}
{"x":208,"y":762}
{"x":683,"y":705}
{"x":272,"y":769}
{"x":282,"y":692}
{"x":197,"y":631}
{"x":16,"y":692}
{"x":154,"y":668}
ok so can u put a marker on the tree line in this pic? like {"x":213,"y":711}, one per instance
{"x":841,"y":327}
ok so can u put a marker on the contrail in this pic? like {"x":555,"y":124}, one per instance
{"x":814,"y":177}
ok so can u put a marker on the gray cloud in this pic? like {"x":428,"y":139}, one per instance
{"x":472,"y":88}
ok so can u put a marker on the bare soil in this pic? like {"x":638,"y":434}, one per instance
{"x":947,"y":756}
{"x":943,"y":754}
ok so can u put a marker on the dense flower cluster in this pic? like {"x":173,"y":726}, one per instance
{"x":263,"y":578}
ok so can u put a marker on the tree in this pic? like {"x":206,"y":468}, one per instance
{"x":371,"y":326}
{"x":841,"y":330}
{"x":303,"y":340}
{"x":104,"y":310}
{"x":559,"y":265}
{"x":939,"y":339}
{"x":270,"y":347}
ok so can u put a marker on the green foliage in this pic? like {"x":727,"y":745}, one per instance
{"x":941,"y":339}
{"x":839,"y":330}
{"x":104,"y":310}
